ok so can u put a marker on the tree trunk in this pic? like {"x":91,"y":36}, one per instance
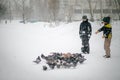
{"x":10,"y":12}
{"x":23,"y":13}
{"x":101,"y":9}
{"x":91,"y":10}
{"x":118,"y":7}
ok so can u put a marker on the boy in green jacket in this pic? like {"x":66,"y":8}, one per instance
{"x":107,"y":34}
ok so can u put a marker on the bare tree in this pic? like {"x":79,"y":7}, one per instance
{"x":24,"y":10}
{"x":71,"y":10}
{"x":42,"y":9}
{"x":3,"y":9}
{"x":91,"y":10}
{"x":118,"y":1}
{"x":117,"y":5}
{"x":101,"y":9}
{"x":10,"y":10}
{"x":53,"y":6}
{"x":52,"y":9}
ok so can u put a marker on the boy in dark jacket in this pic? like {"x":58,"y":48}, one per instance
{"x":85,"y":32}
{"x":107,"y":34}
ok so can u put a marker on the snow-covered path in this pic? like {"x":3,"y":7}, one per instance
{"x":20,"y":44}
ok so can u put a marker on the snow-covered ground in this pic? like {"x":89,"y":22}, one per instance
{"x":20,"y":44}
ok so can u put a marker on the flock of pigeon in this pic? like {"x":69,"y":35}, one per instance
{"x":60,"y":60}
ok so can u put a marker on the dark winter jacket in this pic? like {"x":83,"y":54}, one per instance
{"x":85,"y":28}
{"x":107,"y":30}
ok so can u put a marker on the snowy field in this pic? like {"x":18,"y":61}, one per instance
{"x":20,"y":44}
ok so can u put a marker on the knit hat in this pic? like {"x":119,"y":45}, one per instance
{"x":106,"y":19}
{"x":84,"y":17}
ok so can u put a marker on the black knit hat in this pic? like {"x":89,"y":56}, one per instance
{"x":84,"y":17}
{"x":106,"y":19}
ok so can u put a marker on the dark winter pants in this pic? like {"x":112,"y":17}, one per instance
{"x":107,"y":43}
{"x":85,"y":44}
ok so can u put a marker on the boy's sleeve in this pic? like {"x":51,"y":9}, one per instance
{"x":90,"y":27}
{"x":108,"y":31}
{"x":101,"y":29}
{"x":80,"y":30}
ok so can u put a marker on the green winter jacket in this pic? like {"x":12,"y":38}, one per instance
{"x":107,"y":31}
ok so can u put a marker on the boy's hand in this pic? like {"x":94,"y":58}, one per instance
{"x":96,"y":32}
{"x":103,"y":36}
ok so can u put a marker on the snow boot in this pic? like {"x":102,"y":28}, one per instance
{"x":106,"y":56}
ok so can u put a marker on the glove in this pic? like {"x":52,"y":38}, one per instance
{"x":89,"y":33}
{"x":89,"y":36}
